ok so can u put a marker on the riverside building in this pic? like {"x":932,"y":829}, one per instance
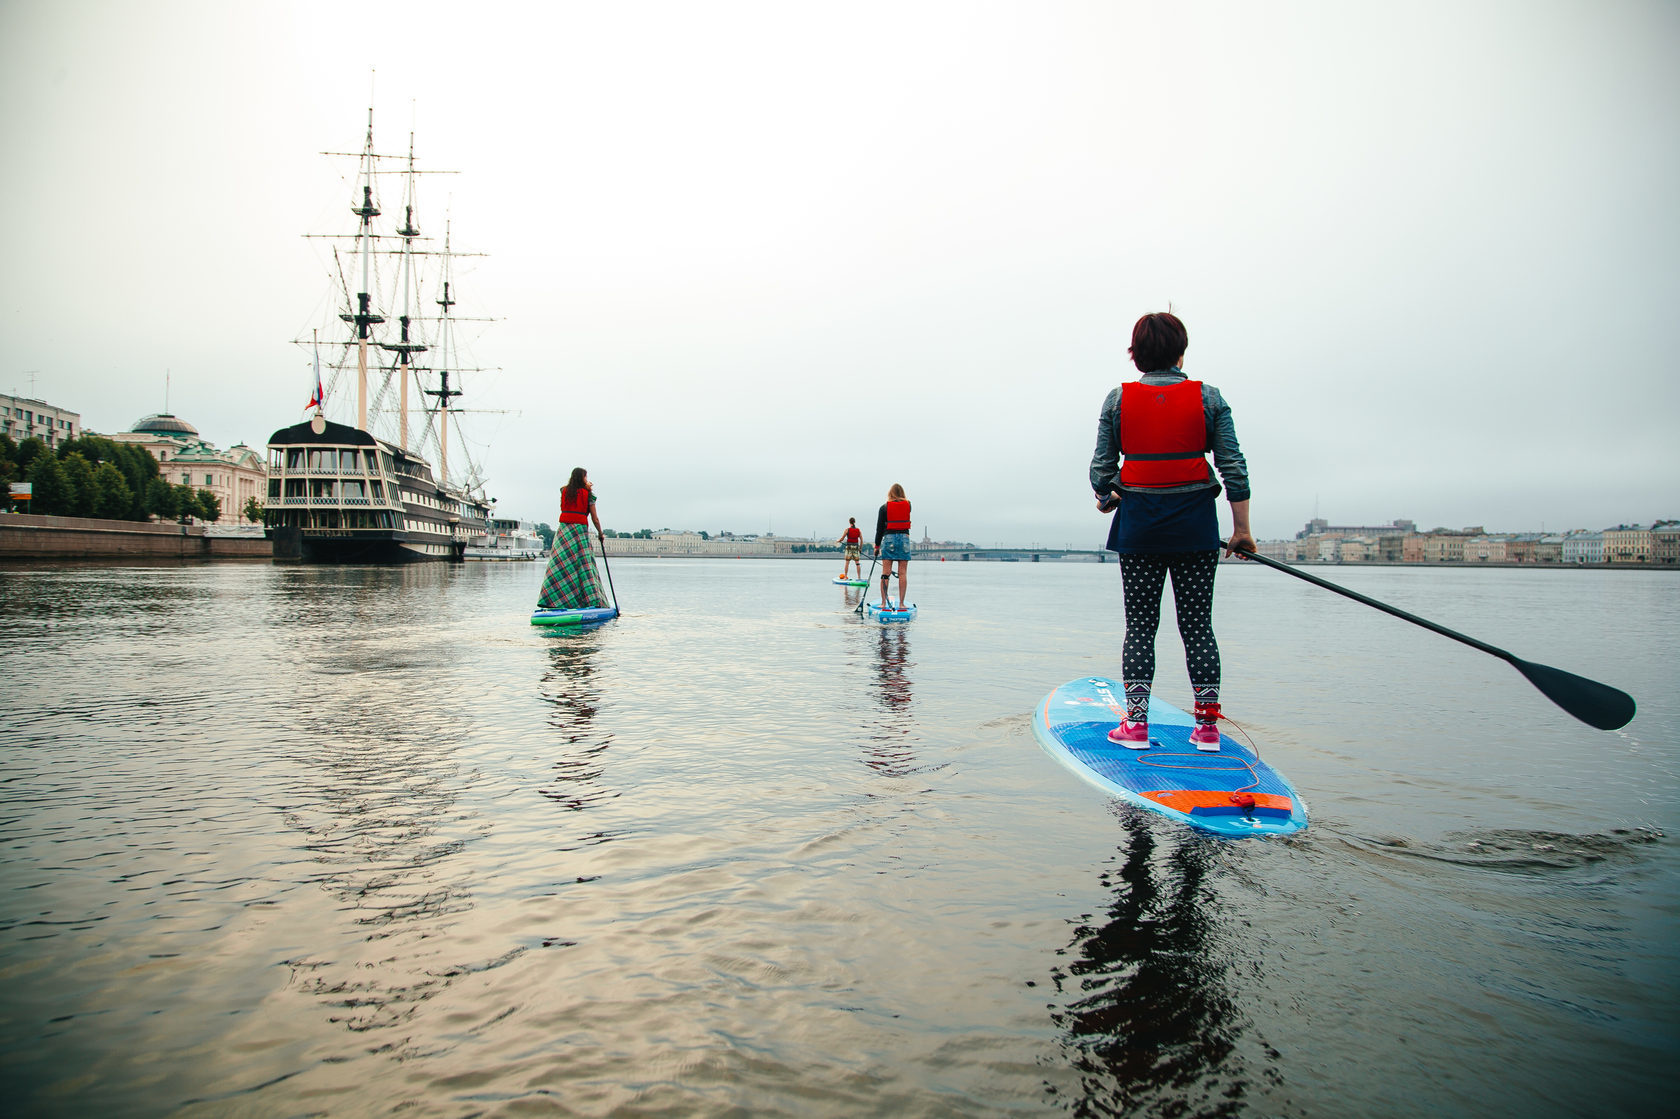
{"x":185,"y":459}
{"x":22,"y":418}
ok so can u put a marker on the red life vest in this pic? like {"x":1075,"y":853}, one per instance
{"x":898,"y":516}
{"x":574,"y":506}
{"x":1163,"y":435}
{"x":853,"y":534}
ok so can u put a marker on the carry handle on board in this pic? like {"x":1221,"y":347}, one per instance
{"x":1595,"y":704}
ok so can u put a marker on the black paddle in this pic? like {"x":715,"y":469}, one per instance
{"x":1593,"y":703}
{"x":608,"y":566}
{"x":869,"y":581}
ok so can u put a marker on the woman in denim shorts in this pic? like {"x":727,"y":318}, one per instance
{"x":892,"y":541}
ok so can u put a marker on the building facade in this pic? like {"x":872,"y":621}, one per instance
{"x":184,"y":459}
{"x":1583,"y":547}
{"x":22,"y":417}
{"x":1665,"y":543}
{"x":1628,"y":544}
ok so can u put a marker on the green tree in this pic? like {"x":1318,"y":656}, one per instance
{"x":210,"y":504}
{"x":546,"y":531}
{"x":186,"y":502}
{"x":28,"y":451}
{"x":52,"y":492}
{"x":8,"y":460}
{"x":141,"y":470}
{"x":78,"y":478}
{"x":112,"y":497}
{"x":161,"y":499}
{"x":253,"y":510}
{"x":136,"y":464}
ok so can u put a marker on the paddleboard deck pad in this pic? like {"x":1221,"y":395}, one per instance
{"x":585,"y":617}
{"x":1231,"y":793}
{"x":892,"y":615}
{"x":851,"y":582}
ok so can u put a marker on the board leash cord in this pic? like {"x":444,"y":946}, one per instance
{"x":1200,"y":761}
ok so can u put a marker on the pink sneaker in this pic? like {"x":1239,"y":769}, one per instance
{"x":1133,"y":736}
{"x":1205,"y":737}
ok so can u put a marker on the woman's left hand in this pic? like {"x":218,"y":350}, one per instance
{"x":1240,"y":539}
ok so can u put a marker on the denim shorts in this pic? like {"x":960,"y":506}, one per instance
{"x":895,"y":546}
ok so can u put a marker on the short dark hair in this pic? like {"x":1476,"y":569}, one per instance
{"x":1158,"y":341}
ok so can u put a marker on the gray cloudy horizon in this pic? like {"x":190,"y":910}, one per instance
{"x":751,"y":263}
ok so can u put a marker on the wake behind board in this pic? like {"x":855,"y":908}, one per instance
{"x":586,"y":616}
{"x":891,"y":615}
{"x":1209,"y":791}
{"x":851,"y":582}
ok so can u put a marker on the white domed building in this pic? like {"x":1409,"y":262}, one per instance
{"x":184,"y":459}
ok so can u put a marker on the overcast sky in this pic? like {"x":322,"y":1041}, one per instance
{"x":751,"y":263}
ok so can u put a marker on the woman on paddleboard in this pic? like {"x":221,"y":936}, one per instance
{"x":1150,"y":467}
{"x":892,"y":541}
{"x":571,"y":583}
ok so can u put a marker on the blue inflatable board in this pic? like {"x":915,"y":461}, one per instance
{"x":851,"y":582}
{"x":891,"y":615}
{"x":588,"y":616}
{"x":1231,"y":793}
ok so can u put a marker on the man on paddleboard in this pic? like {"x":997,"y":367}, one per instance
{"x":850,"y":539}
{"x":1150,"y":468}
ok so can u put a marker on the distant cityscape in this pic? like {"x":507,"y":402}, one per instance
{"x":237,"y":477}
{"x":1652,"y":545}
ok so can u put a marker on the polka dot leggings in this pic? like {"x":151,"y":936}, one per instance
{"x":1142,"y":579}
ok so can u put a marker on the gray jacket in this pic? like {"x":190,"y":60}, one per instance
{"x":1221,"y":434}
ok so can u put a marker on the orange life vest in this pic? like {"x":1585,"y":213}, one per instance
{"x":1163,"y":435}
{"x":898,"y":516}
{"x":574,"y":506}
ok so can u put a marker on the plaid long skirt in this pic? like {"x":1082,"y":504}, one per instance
{"x":571,"y":583}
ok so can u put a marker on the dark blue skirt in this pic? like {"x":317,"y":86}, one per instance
{"x":1165,"y":522}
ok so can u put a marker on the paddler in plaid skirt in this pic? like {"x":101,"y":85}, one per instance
{"x":570,"y":583}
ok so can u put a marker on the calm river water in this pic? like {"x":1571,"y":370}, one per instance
{"x":282,"y":841}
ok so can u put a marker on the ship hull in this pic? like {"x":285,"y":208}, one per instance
{"x":295,"y":546}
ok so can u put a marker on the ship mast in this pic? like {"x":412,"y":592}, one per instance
{"x":406,"y":348}
{"x":365,"y":208}
{"x":443,"y":392}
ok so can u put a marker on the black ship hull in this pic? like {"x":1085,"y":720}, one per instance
{"x":293,"y":545}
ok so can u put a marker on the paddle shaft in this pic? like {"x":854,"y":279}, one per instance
{"x":868,"y":580}
{"x":608,"y":566}
{"x":1383,"y":606}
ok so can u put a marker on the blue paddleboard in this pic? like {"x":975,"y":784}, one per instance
{"x":851,"y":582}
{"x":1231,"y":793}
{"x":892,"y":615}
{"x":584,"y":617}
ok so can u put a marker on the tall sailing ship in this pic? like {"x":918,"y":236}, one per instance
{"x":367,"y":493}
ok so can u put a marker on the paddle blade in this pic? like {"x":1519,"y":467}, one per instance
{"x":1595,"y":704}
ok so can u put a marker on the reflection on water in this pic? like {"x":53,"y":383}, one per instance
{"x":362,"y":841}
{"x":892,"y":679}
{"x":377,"y":789}
{"x":1152,"y":1016}
{"x":570,"y":687}
{"x":890,"y":740}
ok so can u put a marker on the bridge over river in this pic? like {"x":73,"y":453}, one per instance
{"x":1031,"y":553}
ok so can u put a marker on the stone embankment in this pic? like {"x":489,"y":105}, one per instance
{"x":24,"y":536}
